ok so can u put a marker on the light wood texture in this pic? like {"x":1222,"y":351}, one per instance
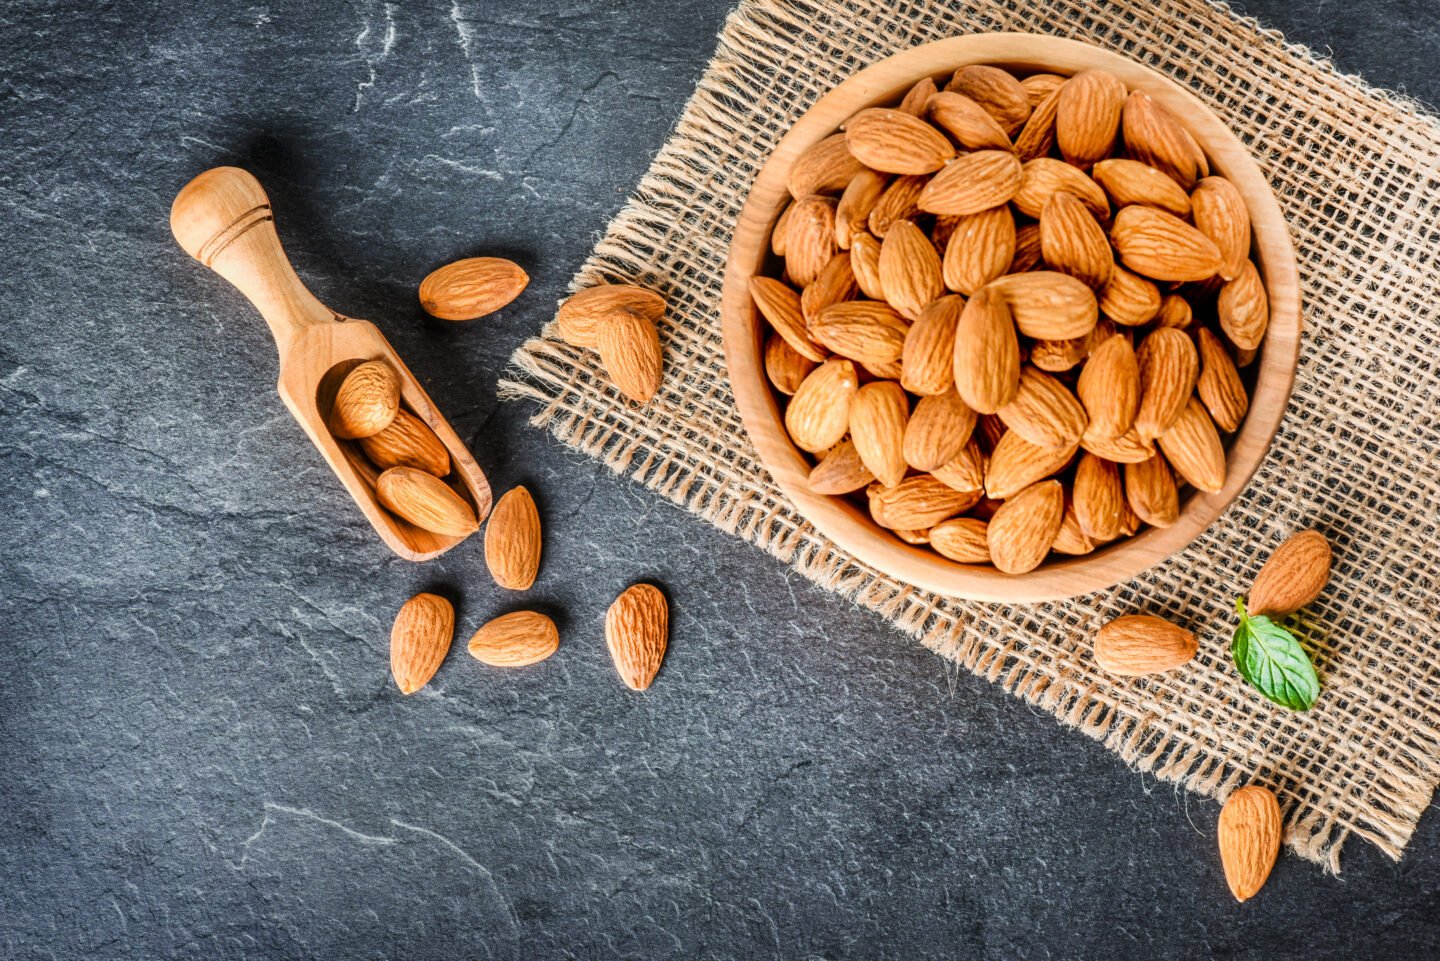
{"x":223,"y":219}
{"x":847,"y":523}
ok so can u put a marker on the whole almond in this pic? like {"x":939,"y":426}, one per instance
{"x":1129,"y":299}
{"x":909,"y":269}
{"x":987,"y":353}
{"x":777,"y":234}
{"x":1042,"y":177}
{"x":425,"y":501}
{"x":1219,"y":384}
{"x":897,"y":143}
{"x":852,"y":213}
{"x":835,"y":284}
{"x":1192,"y":447}
{"x":785,"y":366}
{"x":1039,"y":86}
{"x":927,"y":361}
{"x":1043,"y":411}
{"x":1153,"y":136}
{"x":810,"y":238}
{"x":962,"y":539}
{"x":1058,"y":356}
{"x":919,"y":502}
{"x":997,"y":91}
{"x":865,"y":262}
{"x":1015,"y":464}
{"x":513,"y":540}
{"x":1169,"y":367}
{"x":1127,"y":448}
{"x":517,"y":639}
{"x":637,"y":631}
{"x":1293,"y":576}
{"x":1048,"y":305}
{"x":580,"y":316}
{"x":1175,"y":312}
{"x":1151,"y":493}
{"x":1109,"y":387}
{"x":897,"y":203}
{"x":840,"y":470}
{"x":878,"y":414}
{"x":1138,"y":644}
{"x":966,"y":121}
{"x":1221,"y":215}
{"x":937,"y":431}
{"x":407,"y":442}
{"x":1250,"y":831}
{"x":1244,"y":308}
{"x":981,"y":248}
{"x":1038,"y":135}
{"x":1132,"y":182}
{"x":629,"y":347}
{"x":1088,"y":116}
{"x":973,"y":182}
{"x":818,"y":416}
{"x":913,"y":537}
{"x":866,"y":331}
{"x":966,"y":471}
{"x":1071,"y":539}
{"x":366,"y":402}
{"x":419,"y":640}
{"x":1161,"y":246}
{"x":781,"y":306}
{"x":1099,"y":497}
{"x":472,"y":288}
{"x":1024,"y":528}
{"x":825,"y":168}
{"x":917,"y":97}
{"x":1027,"y":249}
{"x":1073,"y":243}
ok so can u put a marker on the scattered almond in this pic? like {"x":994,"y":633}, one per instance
{"x":472,"y":288}
{"x":515,"y":640}
{"x":637,"y":629}
{"x":419,"y":640}
{"x":513,"y":540}
{"x":629,"y":347}
{"x":1293,"y":576}
{"x":1250,"y":831}
{"x":581,"y":315}
{"x":1139,"y":644}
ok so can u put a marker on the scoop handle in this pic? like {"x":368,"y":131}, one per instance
{"x":223,"y":219}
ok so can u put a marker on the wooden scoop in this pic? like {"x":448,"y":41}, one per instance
{"x":223,"y":219}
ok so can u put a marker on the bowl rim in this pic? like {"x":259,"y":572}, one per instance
{"x":846,"y":523}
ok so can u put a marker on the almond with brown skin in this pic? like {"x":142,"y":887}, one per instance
{"x":1099,"y":497}
{"x":1048,"y":305}
{"x":852,"y":213}
{"x":782,"y":307}
{"x":1250,"y":831}
{"x":366,"y":402}
{"x":1161,"y":246}
{"x":1039,"y":86}
{"x":878,"y":415}
{"x":919,"y":502}
{"x":419,"y":640}
{"x":865,"y":262}
{"x":1129,"y":299}
{"x":973,"y":182}
{"x":629,"y":347}
{"x":987,"y":353}
{"x":425,"y":501}
{"x":1024,"y":528}
{"x":896,"y":143}
{"x":937,"y":431}
{"x":1088,"y":116}
{"x":1151,"y":493}
{"x":777,"y":233}
{"x":962,"y":539}
{"x":517,"y":639}
{"x":909,"y":269}
{"x":1038,"y":135}
{"x":637,"y":632}
{"x":927,"y":361}
{"x":997,"y":91}
{"x":1015,"y":464}
{"x":1244,"y":308}
{"x":407,"y":442}
{"x":1293,"y":576}
{"x":1221,"y":215}
{"x":580,"y":316}
{"x":1127,"y":448}
{"x":1139,"y":644}
{"x":917,"y":97}
{"x":785,"y":366}
{"x":1058,"y":356}
{"x":824,"y":168}
{"x":1153,"y":136}
{"x":809,"y":238}
{"x":1192,"y":447}
{"x":1109,"y":387}
{"x":472,"y":288}
{"x":1219,"y":384}
{"x":1175,"y":312}
{"x":981,"y":248}
{"x":513,"y":540}
{"x":1027,"y":249}
{"x":966,"y":472}
{"x":835,"y":284}
{"x":1073,"y":243}
{"x":818,"y":416}
{"x":866,"y":331}
{"x":896,"y":203}
{"x":1169,"y":367}
{"x":1071,"y":539}
{"x":1043,"y":411}
{"x":1132,"y":182}
{"x":966,"y":121}
{"x":1043,"y":176}
{"x":840,"y":470}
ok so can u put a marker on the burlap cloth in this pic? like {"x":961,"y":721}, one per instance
{"x":1357,"y":172}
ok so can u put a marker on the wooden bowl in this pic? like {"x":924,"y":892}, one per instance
{"x":847,"y":523}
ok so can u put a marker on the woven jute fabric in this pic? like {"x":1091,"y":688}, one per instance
{"x":1357,"y":173}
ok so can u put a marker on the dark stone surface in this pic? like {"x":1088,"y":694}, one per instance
{"x":201,"y":755}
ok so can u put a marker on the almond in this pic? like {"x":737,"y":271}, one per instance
{"x":981,"y":248}
{"x":913,"y":537}
{"x":1151,"y":493}
{"x":1244,"y":308}
{"x":896,"y":143}
{"x":579,"y":317}
{"x":974,"y":182}
{"x":865,"y":263}
{"x":917,"y":97}
{"x":1293,"y":576}
{"x":1088,"y":115}
{"x":809,"y":238}
{"x":825,"y":168}
{"x":863,"y":330}
{"x":629,"y":347}
{"x":1071,"y":539}
{"x":1219,"y":384}
{"x":1058,"y":356}
{"x":782,"y":307}
{"x":1024,"y":528}
{"x":1109,"y":387}
{"x":1161,"y":246}
{"x":777,"y":233}
{"x":1175,"y":312}
{"x":785,"y":366}
{"x":909,"y":269}
{"x":987,"y":353}
{"x":1129,"y":299}
{"x":1038,"y":136}
{"x":966,"y":121}
{"x":1153,"y":136}
{"x":997,"y":91}
{"x":1027,"y":249}
{"x":1072,"y":242}
{"x":515,"y":640}
{"x":419,"y":640}
{"x":1043,"y":411}
{"x":852,"y":213}
{"x":512,"y":540}
{"x":1043,"y":176}
{"x":1169,"y":367}
{"x":407,"y":442}
{"x":966,"y":472}
{"x":366,"y":402}
{"x":840,"y":471}
{"x":818,"y":416}
{"x":1098,"y":497}
{"x":897,"y":203}
{"x":425,"y":501}
{"x":937,"y":431}
{"x":1192,"y":447}
{"x":1015,"y":464}
{"x":1250,"y":831}
{"x":927,"y":361}
{"x":1039,"y":86}
{"x":1048,"y":305}
{"x":918,"y":502}
{"x":471,"y":288}
{"x":835,"y":284}
{"x":1221,"y":215}
{"x":1127,"y":448}
{"x":1138,"y":644}
{"x":878,"y":415}
{"x":1132,"y":182}
{"x":962,"y":539}
{"x":637,"y":630}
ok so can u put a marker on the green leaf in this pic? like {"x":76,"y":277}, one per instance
{"x":1269,"y":657}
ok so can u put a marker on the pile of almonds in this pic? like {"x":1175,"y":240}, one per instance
{"x":1012,"y":311}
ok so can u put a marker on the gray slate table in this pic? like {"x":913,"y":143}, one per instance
{"x":201,"y":755}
